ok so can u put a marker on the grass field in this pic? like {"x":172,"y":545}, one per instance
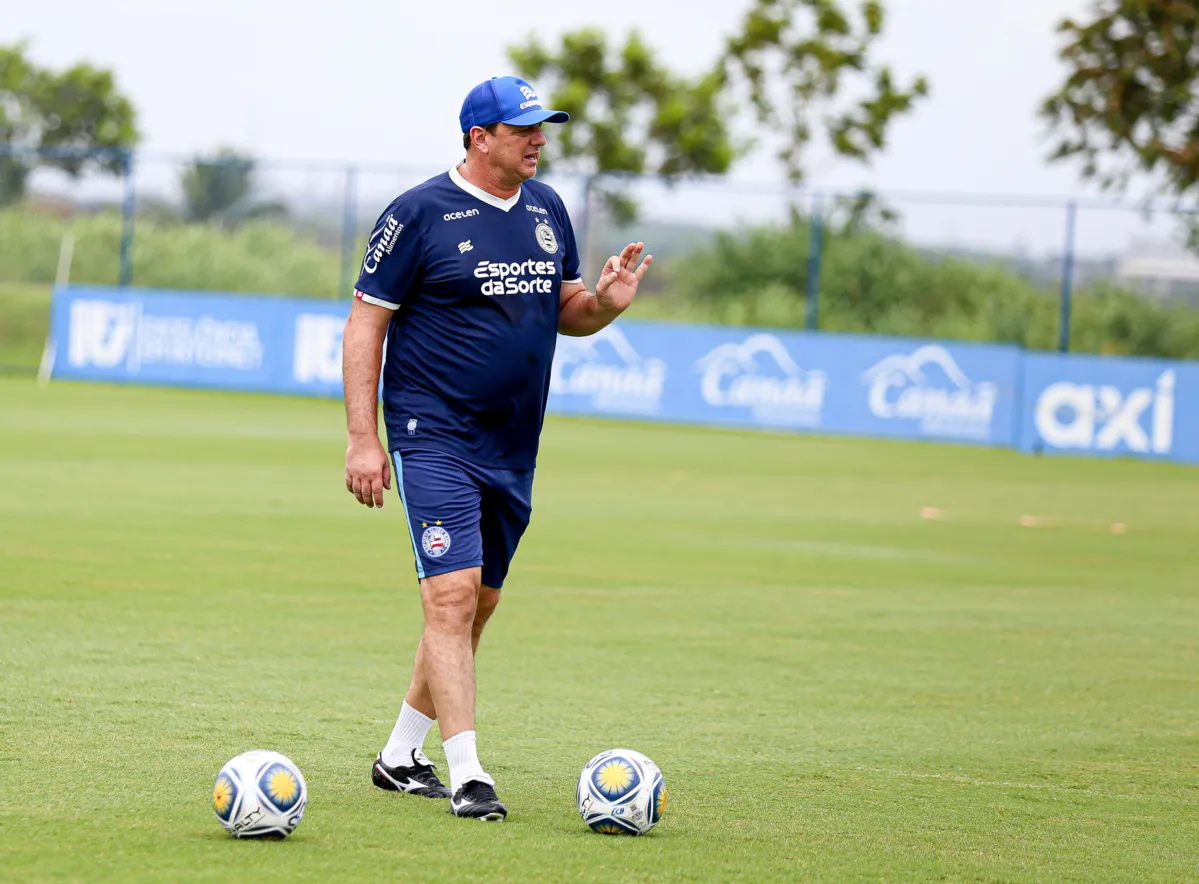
{"x":24,"y":319}
{"x":835,"y":688}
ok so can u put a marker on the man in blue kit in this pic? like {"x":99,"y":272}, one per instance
{"x":468,"y":277}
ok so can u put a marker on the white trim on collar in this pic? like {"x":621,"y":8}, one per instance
{"x":480,"y":194}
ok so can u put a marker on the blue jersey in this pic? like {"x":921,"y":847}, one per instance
{"x":475,"y":283}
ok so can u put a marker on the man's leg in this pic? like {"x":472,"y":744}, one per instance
{"x":504,"y":514}
{"x":446,"y":663}
{"x":418,"y":696}
{"x":441,"y":502}
{"x":442,"y":496}
{"x":419,"y":712}
{"x":489,"y":600}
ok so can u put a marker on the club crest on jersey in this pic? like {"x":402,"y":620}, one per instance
{"x":435,"y":542}
{"x":546,"y":238}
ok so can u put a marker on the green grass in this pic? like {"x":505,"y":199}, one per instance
{"x":24,"y":320}
{"x":835,"y":688}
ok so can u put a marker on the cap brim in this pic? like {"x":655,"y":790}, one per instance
{"x":540,"y":115}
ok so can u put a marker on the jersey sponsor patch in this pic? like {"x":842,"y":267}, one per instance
{"x":526,"y":277}
{"x":382,"y":243}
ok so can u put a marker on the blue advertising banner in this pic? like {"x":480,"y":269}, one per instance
{"x":986,"y":394}
{"x":1104,"y":406}
{"x":791,"y":380}
{"x":198,"y":340}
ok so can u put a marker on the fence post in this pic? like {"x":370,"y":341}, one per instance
{"x":815,"y":248}
{"x":1063,"y":343}
{"x":349,"y":230}
{"x":125,"y":277}
{"x":583,"y":228}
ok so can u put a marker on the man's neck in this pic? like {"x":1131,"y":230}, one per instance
{"x":483,"y":177}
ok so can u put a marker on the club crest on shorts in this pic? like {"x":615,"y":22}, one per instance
{"x":435,"y":542}
{"x":546,"y":238}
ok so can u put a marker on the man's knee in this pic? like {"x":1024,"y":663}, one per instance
{"x":451,"y":600}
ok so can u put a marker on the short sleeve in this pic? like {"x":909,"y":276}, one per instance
{"x":570,"y":260}
{"x":392,"y":264}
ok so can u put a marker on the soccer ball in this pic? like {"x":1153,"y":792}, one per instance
{"x":621,"y":792}
{"x":259,"y":793}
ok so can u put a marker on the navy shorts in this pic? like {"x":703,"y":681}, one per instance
{"x":461,"y":515}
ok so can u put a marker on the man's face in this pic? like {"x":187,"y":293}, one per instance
{"x":516,"y":150}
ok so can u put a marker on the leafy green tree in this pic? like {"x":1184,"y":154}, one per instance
{"x":221,"y":187}
{"x":789,"y":61}
{"x":1130,"y":102}
{"x":629,"y":113}
{"x":78,"y":112}
{"x":797,"y":58}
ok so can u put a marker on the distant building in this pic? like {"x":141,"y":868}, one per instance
{"x":1161,"y":270}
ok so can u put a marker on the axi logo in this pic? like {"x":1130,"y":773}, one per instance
{"x":759,"y":374}
{"x":928,"y":386}
{"x":1103,"y":418}
{"x":605,"y":367}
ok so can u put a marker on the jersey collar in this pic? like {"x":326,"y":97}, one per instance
{"x":480,"y":194}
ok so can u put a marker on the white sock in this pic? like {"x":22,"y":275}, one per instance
{"x":408,"y":735}
{"x":463,"y":759}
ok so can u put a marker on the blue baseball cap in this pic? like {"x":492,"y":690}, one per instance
{"x":508,"y":100}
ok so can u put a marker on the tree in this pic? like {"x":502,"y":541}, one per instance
{"x":795,"y":58}
{"x":1130,"y":103}
{"x":76,"y":119}
{"x":789,"y":60}
{"x":221,"y":187}
{"x":629,"y":114}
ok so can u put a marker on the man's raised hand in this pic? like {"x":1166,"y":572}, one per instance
{"x":621,"y":275}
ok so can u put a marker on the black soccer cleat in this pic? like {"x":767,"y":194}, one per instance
{"x":477,"y":800}
{"x":415,"y":779}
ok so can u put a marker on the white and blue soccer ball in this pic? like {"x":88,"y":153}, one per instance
{"x":259,"y":794}
{"x":621,"y":792}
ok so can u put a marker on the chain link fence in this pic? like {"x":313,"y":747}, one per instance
{"x":1089,"y":275}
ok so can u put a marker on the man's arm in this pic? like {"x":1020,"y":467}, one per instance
{"x":368,"y":471}
{"x":582,"y":313}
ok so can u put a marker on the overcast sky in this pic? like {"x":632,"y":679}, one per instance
{"x":377,"y":81}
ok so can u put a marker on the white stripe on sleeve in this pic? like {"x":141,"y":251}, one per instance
{"x":378,"y":302}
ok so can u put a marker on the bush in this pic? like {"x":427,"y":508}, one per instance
{"x":870,"y":283}
{"x":874,"y":284}
{"x":260,"y":256}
